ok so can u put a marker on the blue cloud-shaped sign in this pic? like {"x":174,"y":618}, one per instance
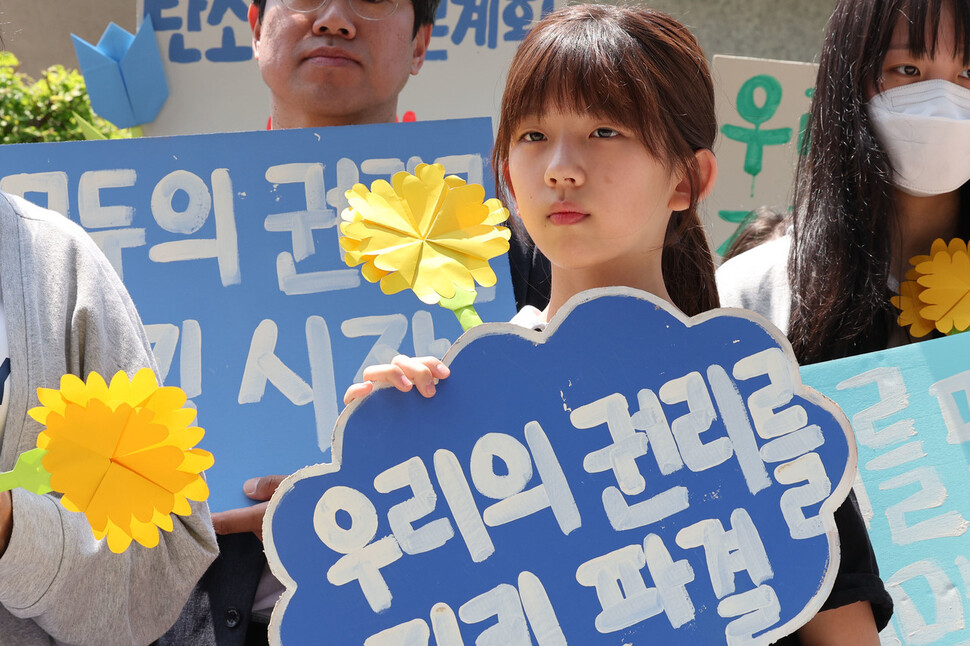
{"x":625,"y":476}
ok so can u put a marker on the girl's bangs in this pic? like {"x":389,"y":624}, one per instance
{"x":924,"y":20}
{"x":582,"y":70}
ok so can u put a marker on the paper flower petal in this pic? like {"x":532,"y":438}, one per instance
{"x":937,"y":292}
{"x":946,"y":279}
{"x":908,"y":302}
{"x":122,"y":454}
{"x":432,"y":235}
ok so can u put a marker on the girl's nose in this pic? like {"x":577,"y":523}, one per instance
{"x":565,"y":167}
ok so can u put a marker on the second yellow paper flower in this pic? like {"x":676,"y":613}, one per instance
{"x":426,"y":232}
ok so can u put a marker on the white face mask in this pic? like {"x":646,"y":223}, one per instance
{"x":925,"y":129}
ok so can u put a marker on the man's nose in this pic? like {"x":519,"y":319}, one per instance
{"x":335,"y":18}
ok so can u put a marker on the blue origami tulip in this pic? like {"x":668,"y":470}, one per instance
{"x":124,"y":74}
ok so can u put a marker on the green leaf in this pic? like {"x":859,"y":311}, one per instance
{"x":90,"y":132}
{"x":54,"y":108}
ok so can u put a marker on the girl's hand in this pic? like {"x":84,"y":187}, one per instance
{"x":6,"y":519}
{"x":403,"y":373}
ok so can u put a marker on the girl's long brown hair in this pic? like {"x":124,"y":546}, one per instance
{"x":645,"y":70}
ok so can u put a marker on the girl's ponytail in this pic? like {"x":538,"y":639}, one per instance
{"x":687,"y":264}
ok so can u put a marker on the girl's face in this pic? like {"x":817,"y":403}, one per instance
{"x":589,"y":193}
{"x":902,"y":67}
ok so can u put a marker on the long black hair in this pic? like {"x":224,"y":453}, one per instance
{"x":845,"y":217}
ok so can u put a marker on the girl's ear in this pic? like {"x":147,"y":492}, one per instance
{"x":706,"y":175}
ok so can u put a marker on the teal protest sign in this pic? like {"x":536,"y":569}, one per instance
{"x":909,"y":409}
{"x":229,"y":246}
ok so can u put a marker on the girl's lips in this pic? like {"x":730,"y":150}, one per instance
{"x":566,"y":217}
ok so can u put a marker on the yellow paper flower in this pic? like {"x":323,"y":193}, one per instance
{"x":425,"y":232}
{"x":909,"y":305}
{"x":122,"y":454}
{"x":946,"y":279}
{"x":936,"y":293}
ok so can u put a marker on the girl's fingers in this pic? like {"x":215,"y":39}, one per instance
{"x":423,"y":372}
{"x":387,"y":373}
{"x":419,"y":366}
{"x":356,"y":391}
{"x":404,"y":373}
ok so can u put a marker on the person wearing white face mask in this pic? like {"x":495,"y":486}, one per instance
{"x":925,"y":129}
{"x":887,"y":173}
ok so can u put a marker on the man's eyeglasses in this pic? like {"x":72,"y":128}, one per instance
{"x":366,"y":9}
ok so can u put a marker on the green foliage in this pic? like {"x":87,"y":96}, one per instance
{"x":45,"y":110}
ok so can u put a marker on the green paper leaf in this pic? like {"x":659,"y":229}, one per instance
{"x":462,"y":298}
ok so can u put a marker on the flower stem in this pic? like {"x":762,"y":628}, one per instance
{"x":8,"y":481}
{"x":468,"y":317}
{"x":463,"y":305}
{"x":28,"y":473}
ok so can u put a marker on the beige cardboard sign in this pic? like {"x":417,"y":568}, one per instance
{"x":762,"y":110}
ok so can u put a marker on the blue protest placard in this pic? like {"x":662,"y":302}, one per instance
{"x":910,"y":412}
{"x":229,"y":246}
{"x":625,"y":476}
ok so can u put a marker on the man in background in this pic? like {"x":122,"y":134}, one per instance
{"x":326,"y":63}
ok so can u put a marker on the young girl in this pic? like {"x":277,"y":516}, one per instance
{"x":874,"y":190}
{"x":604,"y":149}
{"x":604,"y":146}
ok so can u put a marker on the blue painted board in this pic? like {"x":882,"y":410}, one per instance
{"x":626,"y":476}
{"x":228,"y":246}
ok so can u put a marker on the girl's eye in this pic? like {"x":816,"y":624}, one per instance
{"x":605,"y":133}
{"x":965,"y":74}
{"x":533,"y":136}
{"x":907,"y":70}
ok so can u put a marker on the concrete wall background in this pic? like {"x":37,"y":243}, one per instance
{"x":781,"y":29}
{"x":38,"y":31}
